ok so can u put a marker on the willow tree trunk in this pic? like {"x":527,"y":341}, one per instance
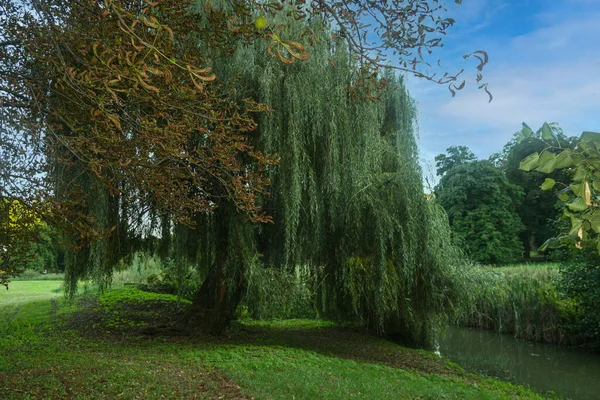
{"x":216,"y":301}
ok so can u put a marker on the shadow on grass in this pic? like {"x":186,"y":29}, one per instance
{"x":157,"y":320}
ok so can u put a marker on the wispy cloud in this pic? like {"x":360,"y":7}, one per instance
{"x":547,"y":70}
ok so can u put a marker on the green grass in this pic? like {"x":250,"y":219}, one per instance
{"x":21,"y":292}
{"x":121,"y":345}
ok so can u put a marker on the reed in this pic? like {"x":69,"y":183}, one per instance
{"x":520,"y":299}
{"x":142,"y":266}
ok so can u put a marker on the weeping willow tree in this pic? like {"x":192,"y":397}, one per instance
{"x":143,"y":140}
{"x":346,"y":197}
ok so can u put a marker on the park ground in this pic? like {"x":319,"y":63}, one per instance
{"x":122,"y":345}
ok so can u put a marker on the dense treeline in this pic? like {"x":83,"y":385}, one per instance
{"x":535,"y":197}
{"x":498,"y":212}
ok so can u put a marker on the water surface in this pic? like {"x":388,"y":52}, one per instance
{"x":572,"y":373}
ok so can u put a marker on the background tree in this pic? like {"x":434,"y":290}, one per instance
{"x":482,"y":209}
{"x":17,"y":231}
{"x":457,"y":155}
{"x":537,"y":210}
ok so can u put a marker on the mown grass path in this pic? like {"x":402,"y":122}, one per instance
{"x":123,"y":344}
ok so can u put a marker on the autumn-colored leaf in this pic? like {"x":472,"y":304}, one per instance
{"x":115,"y":120}
{"x":283,"y":59}
{"x":148,"y":86}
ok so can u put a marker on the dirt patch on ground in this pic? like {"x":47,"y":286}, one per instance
{"x":152,"y":318}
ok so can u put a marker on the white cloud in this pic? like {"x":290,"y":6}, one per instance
{"x":534,"y":92}
{"x":550,"y":74}
{"x":568,"y":36}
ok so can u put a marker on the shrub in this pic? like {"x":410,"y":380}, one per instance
{"x":33,"y":275}
{"x":580,"y":284}
{"x":176,"y":278}
{"x":277,"y":293}
{"x":141,"y":267}
{"x":160,"y":276}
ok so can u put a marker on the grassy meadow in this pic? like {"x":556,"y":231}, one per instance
{"x":123,"y":344}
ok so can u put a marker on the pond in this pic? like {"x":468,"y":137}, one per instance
{"x":573,"y":373}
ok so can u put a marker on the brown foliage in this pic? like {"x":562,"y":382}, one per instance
{"x":121,"y":91}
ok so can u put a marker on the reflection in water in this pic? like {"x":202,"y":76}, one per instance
{"x":567,"y":372}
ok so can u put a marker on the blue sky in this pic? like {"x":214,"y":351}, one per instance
{"x":544,"y":66}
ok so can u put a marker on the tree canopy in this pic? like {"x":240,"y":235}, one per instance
{"x":538,"y":210}
{"x":346,"y":197}
{"x":130,"y":120}
{"x":456,"y":155}
{"x":482,"y":208}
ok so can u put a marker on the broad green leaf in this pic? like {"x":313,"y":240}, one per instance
{"x":547,"y":132}
{"x":590,"y":149}
{"x":524,"y":133}
{"x":586,"y":226}
{"x":563,"y":159}
{"x":580,"y":174}
{"x":596,"y":186}
{"x":578,"y":188}
{"x":575,"y":225}
{"x":546,"y":162}
{"x":564,"y":197}
{"x":577,"y":159}
{"x":578,"y":205}
{"x":591,"y":137}
{"x":594,"y":220}
{"x":530,"y":162}
{"x":548,"y":184}
{"x":526,"y":130}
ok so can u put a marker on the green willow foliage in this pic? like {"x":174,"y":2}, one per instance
{"x":346,"y":199}
{"x":347,"y":196}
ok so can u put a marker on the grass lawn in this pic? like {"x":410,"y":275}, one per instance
{"x":122,"y":344}
{"x":21,"y":292}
